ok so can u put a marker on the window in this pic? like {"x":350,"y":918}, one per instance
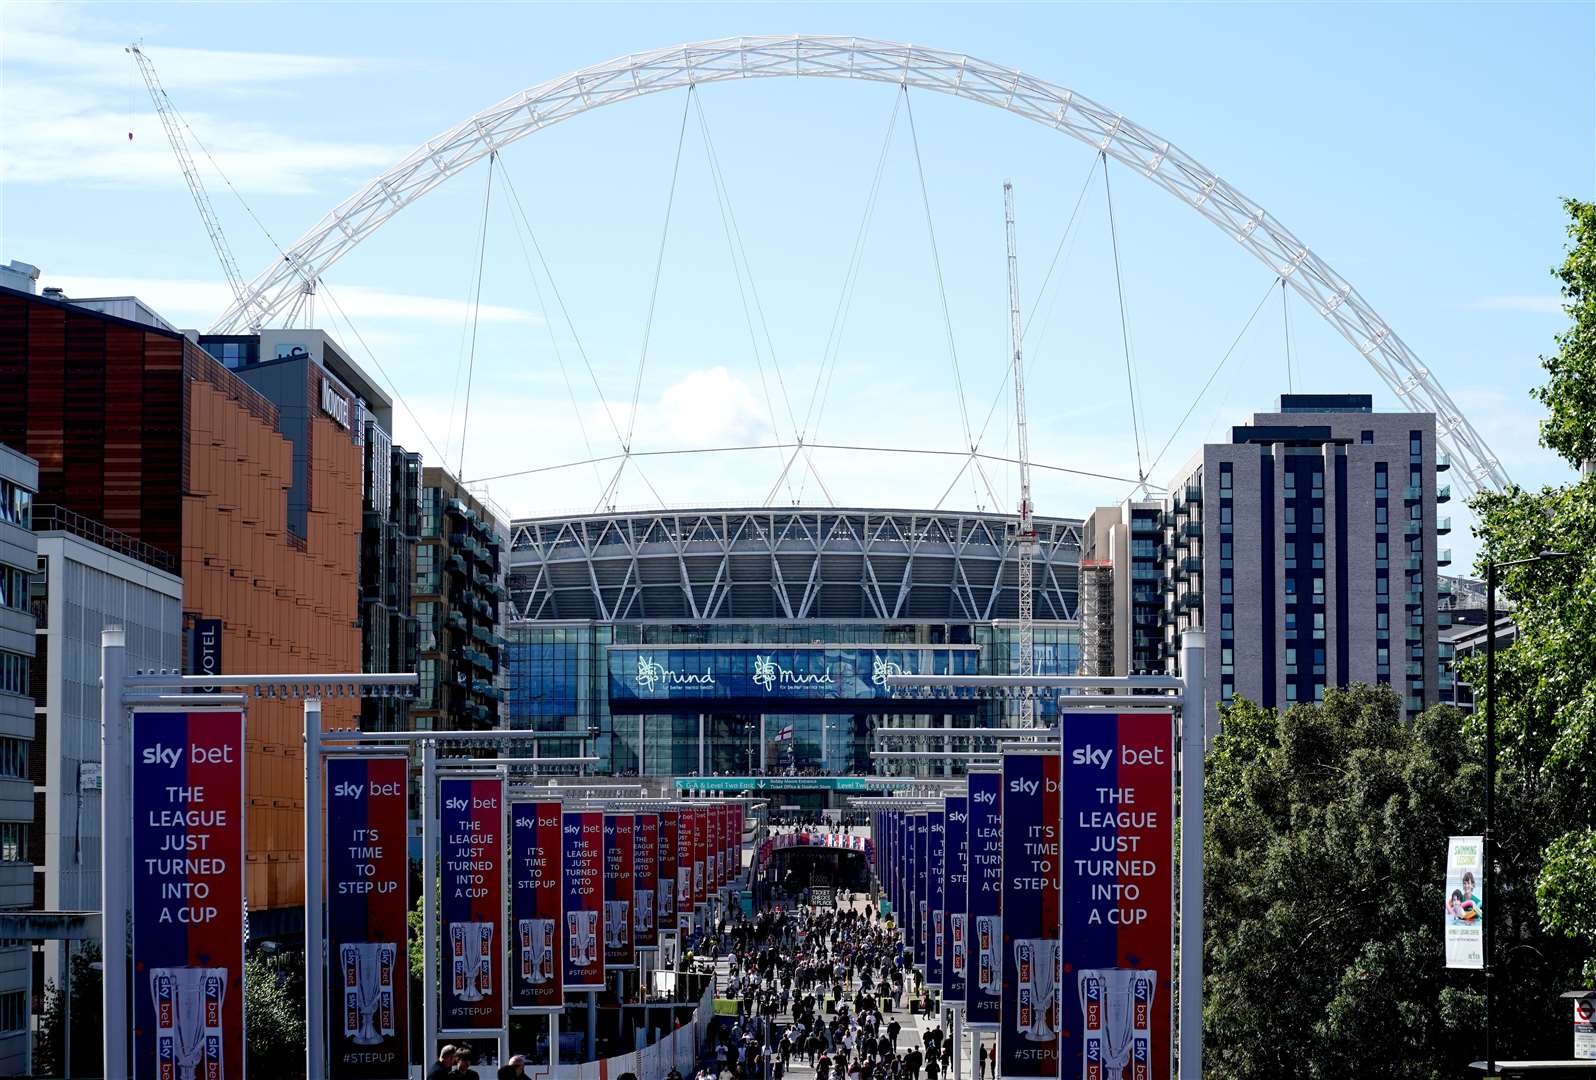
{"x":14,"y":1011}
{"x":1291,"y":691}
{"x":14,"y":586}
{"x":1318,"y":586}
{"x":16,"y":504}
{"x":1381,"y":515}
{"x":1416,"y":512}
{"x":1382,"y":620}
{"x":1366,"y":437}
{"x":1382,"y":480}
{"x":13,"y":841}
{"x":1290,"y":480}
{"x":1224,"y":514}
{"x":1318,"y":480}
{"x":1291,"y":517}
{"x":1318,"y":555}
{"x":1291,"y":620}
{"x":1226,"y":585}
{"x":1382,"y":585}
{"x":1318,"y":515}
{"x":14,"y":758}
{"x":1415,"y":446}
{"x":1227,"y":620}
{"x":15,"y":673}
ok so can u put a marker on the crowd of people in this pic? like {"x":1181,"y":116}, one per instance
{"x":822,"y":985}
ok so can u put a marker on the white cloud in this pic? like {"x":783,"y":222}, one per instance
{"x":1530,"y":305}
{"x":176,"y":297}
{"x":67,"y":117}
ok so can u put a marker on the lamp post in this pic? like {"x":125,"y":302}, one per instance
{"x":1490,"y":789}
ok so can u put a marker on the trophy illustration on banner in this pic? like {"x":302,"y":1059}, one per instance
{"x":1037,"y":962}
{"x":582,"y":927}
{"x":667,"y":899}
{"x":1117,"y":1008}
{"x":956,"y":927}
{"x":471,"y":948}
{"x":537,"y":950}
{"x":988,"y":967}
{"x":368,"y":990}
{"x":936,"y":935}
{"x":616,"y":912}
{"x":643,"y":913}
{"x":188,"y":1021}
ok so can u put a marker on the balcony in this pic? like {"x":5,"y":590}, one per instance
{"x":1443,"y":461}
{"x":1193,"y":529}
{"x":1192,"y":601}
{"x":1192,"y":564}
{"x":1443,"y":619}
{"x":1443,"y":557}
{"x":1443,"y":526}
{"x":455,"y":563}
{"x":1413,"y":598}
{"x":1194,"y":494}
{"x":1415,"y":562}
{"x":1443,"y":493}
{"x":1412,"y":493}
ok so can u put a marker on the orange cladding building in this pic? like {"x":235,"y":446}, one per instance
{"x":139,"y":428}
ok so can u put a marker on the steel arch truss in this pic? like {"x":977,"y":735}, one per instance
{"x":738,"y":565}
{"x":282,"y":288}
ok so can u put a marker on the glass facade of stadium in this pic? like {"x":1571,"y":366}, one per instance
{"x":740,"y":640}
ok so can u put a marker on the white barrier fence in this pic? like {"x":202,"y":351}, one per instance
{"x":677,"y":1050}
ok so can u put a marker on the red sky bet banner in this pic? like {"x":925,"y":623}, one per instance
{"x":619,"y":887}
{"x":684,"y":870}
{"x":472,"y":871}
{"x":188,"y":896}
{"x":368,"y":897}
{"x":536,"y":974}
{"x":645,"y":875}
{"x":1118,"y":897}
{"x":669,"y":859}
{"x":700,"y":818}
{"x":1028,"y":1036}
{"x":582,"y":872}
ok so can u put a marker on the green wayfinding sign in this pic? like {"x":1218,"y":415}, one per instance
{"x":722,"y":784}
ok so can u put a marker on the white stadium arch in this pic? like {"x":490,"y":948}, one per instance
{"x":283,"y":288}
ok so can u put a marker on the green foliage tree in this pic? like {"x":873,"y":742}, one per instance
{"x":1546,"y":680}
{"x":88,"y":1044}
{"x":1325,"y":850}
{"x":274,"y":1013}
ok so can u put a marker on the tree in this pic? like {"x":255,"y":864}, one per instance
{"x":1325,"y":851}
{"x":1546,"y":680}
{"x":274,"y":1013}
{"x":88,"y":1041}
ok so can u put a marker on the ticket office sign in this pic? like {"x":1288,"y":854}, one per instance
{"x":1028,"y":1038}
{"x":983,"y":993}
{"x":619,"y":891}
{"x":188,"y":895}
{"x":472,"y":865}
{"x":368,"y":899}
{"x":1118,"y":894}
{"x":537,"y":976}
{"x":955,"y":899}
{"x":582,"y":899}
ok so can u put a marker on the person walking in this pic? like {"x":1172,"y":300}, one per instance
{"x":443,"y":1066}
{"x":893,"y":1028}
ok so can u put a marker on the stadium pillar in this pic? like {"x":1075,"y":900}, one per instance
{"x":701,"y":745}
{"x":763,"y":746}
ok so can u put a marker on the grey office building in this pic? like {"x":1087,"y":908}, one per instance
{"x":1306,"y":546}
{"x":19,"y":481}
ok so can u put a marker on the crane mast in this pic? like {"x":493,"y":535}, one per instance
{"x":1025,"y":537}
{"x":196,"y":188}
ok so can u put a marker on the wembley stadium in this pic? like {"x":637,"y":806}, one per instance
{"x":699,"y":642}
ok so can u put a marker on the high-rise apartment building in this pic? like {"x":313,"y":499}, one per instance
{"x":1306,"y":546}
{"x":1121,"y":598}
{"x":459,"y":586}
{"x":137,"y":428}
{"x":19,"y":480}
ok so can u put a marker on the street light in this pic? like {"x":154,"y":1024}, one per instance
{"x":1490,"y":787}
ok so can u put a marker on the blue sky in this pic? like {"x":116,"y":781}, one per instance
{"x":1420,"y":149}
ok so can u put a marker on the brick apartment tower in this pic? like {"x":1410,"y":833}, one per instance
{"x":140,"y":429}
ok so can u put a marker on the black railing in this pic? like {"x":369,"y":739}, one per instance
{"x":50,"y":517}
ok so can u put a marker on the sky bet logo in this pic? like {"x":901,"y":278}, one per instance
{"x":573,"y":829}
{"x":1088,"y":755}
{"x":524,"y":823}
{"x":169,"y":756}
{"x":988,"y":797}
{"x":161,"y":755}
{"x":456,"y":804}
{"x":1024,"y":787}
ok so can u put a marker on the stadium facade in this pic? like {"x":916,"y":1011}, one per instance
{"x":700,"y":642}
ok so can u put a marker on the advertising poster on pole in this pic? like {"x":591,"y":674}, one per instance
{"x":684,"y":873}
{"x":619,"y":887}
{"x":700,"y":856}
{"x":582,"y":899}
{"x":1119,"y":901}
{"x":537,"y":977}
{"x":955,"y":899}
{"x":921,"y":890}
{"x":368,"y":901}
{"x":1028,"y":1038}
{"x":645,"y":881}
{"x":936,"y":822}
{"x":188,"y":895}
{"x":905,"y":904}
{"x":1465,"y":914}
{"x":669,"y":855}
{"x":983,"y":993}
{"x":471,"y":864}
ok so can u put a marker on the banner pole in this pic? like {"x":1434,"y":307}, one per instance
{"x":1193,"y":738}
{"x":115,"y":847}
{"x":429,"y":901}
{"x":315,"y":947}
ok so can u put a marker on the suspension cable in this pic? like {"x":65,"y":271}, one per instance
{"x":466,"y":326}
{"x":476,"y":311}
{"x":1285,"y":322}
{"x":936,"y":265}
{"x":1124,"y":322}
{"x":1211,"y":376}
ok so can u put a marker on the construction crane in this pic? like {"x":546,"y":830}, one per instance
{"x":1025,"y":534}
{"x":213,"y":227}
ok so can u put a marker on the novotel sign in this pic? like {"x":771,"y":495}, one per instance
{"x":334,"y":404}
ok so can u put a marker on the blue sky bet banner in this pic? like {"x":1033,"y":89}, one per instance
{"x":1118,"y":894}
{"x":471,"y":863}
{"x":1028,"y":1040}
{"x":368,"y":900}
{"x":984,"y":983}
{"x":188,"y":895}
{"x":922,"y":865}
{"x":537,"y":976}
{"x":955,"y":901}
{"x":936,"y":832}
{"x":582,"y":900}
